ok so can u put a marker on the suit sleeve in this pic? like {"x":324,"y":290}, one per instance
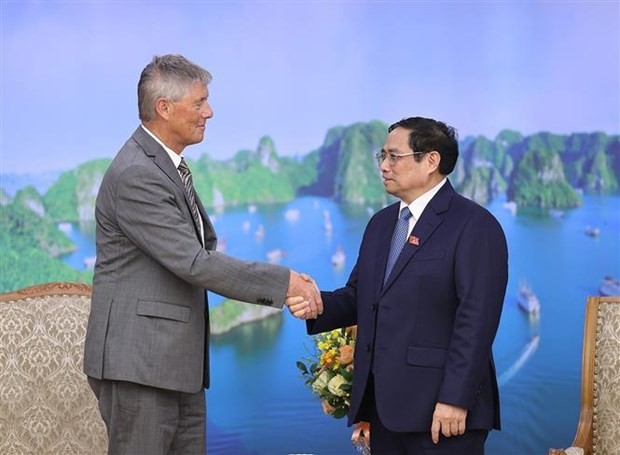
{"x":481,"y":271}
{"x":149,"y":214}
{"x":339,"y":308}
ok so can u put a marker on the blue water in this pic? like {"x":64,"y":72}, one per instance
{"x":258,"y":403}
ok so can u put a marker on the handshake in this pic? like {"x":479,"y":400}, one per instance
{"x":303,"y":298}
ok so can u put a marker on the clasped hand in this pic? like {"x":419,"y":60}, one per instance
{"x":303,"y":298}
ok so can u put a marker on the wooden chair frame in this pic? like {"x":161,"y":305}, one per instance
{"x":583,"y":435}
{"x":53,"y":288}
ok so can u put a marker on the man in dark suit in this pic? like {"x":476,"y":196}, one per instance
{"x":426,"y":294}
{"x":147,"y":341}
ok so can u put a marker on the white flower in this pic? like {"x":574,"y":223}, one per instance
{"x":334,"y":385}
{"x":321,"y":381}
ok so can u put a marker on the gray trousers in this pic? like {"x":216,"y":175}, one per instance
{"x":144,"y":420}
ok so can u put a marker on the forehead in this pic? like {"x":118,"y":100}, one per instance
{"x":398,"y":140}
{"x":197,"y":91}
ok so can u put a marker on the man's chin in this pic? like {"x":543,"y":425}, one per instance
{"x":389,"y":189}
{"x":198,"y":138}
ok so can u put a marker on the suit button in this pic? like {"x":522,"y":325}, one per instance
{"x":367,"y":348}
{"x":374,"y":307}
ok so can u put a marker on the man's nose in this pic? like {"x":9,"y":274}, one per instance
{"x":207,"y":112}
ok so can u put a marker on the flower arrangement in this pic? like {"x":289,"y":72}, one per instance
{"x":329,"y":373}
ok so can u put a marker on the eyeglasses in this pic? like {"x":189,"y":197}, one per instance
{"x":393,"y":158}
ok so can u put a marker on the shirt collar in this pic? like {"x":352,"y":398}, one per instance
{"x":419,"y":204}
{"x":175,"y":157}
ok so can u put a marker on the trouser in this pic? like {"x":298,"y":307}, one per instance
{"x":387,"y":442}
{"x":143,"y":420}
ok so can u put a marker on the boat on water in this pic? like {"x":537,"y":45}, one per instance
{"x":275,"y":256}
{"x":527,"y":300}
{"x":260,"y":232}
{"x":222,"y":244}
{"x":511,"y":206}
{"x":89,"y":262}
{"x":338,"y":258}
{"x":65,"y":227}
{"x":592,"y":231}
{"x":609,"y":286}
{"x":555,"y":213}
{"x":327,"y":222}
{"x":292,"y":215}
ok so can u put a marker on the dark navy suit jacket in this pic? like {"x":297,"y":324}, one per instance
{"x":432,"y":325}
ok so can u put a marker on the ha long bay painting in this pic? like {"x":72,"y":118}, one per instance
{"x":303,"y":93}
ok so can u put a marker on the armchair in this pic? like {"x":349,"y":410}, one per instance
{"x":598,"y":429}
{"x":46,"y":405}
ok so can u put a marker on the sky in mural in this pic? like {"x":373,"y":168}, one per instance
{"x":292,"y":70}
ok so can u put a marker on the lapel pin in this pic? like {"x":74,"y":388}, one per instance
{"x":414,"y":240}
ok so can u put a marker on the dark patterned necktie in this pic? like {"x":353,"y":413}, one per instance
{"x":186,"y":176}
{"x":399,"y":238}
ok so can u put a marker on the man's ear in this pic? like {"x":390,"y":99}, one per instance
{"x":434,"y":158}
{"x":162,"y":107}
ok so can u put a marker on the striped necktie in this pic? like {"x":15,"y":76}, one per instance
{"x":186,"y":176}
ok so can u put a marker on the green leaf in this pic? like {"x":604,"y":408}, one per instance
{"x":302,"y":367}
{"x":348,"y":375}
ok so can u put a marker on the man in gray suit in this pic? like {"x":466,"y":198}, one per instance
{"x":147,"y":342}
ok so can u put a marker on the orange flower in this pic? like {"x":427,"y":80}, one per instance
{"x":346,"y":354}
{"x":328,"y":359}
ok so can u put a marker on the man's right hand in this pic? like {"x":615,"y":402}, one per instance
{"x":298,"y":306}
{"x":304,"y":286}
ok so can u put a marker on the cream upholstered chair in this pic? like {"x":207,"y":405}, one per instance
{"x":46,"y":405}
{"x":598,"y":429}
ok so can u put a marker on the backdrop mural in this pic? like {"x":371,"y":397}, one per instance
{"x":303,"y":93}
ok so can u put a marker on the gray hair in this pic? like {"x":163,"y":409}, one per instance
{"x":167,"y":76}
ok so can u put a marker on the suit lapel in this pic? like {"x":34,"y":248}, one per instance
{"x":158,"y":154}
{"x":431,"y":218}
{"x":163,"y":161}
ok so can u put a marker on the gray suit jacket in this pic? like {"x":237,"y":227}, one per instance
{"x":149,"y":314}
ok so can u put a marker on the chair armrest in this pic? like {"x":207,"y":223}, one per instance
{"x":583,"y":435}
